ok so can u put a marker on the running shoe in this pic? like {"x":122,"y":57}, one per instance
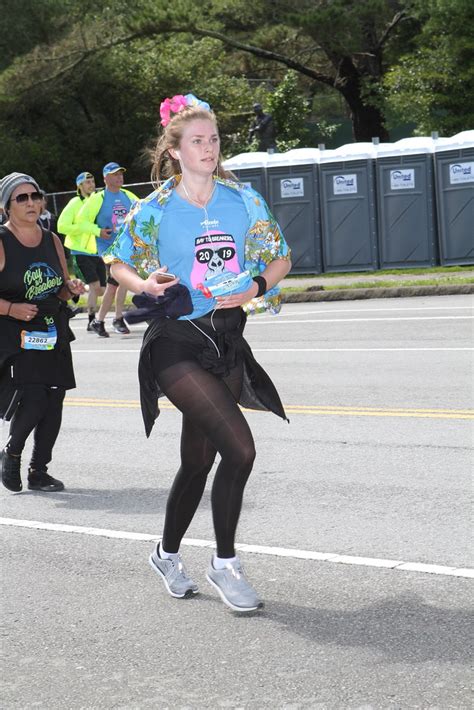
{"x":42,"y":481}
{"x":119,"y":326}
{"x":11,"y":466}
{"x":174,"y":576}
{"x":234,"y":589}
{"x":99,"y":328}
{"x":91,"y":318}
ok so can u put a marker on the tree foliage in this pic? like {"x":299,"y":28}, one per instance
{"x":81,"y":81}
{"x":433,"y":86}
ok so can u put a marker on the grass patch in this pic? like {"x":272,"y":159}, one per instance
{"x":387,"y":272}
{"x":453,"y":280}
{"x":450,"y":280}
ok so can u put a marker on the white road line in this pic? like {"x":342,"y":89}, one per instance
{"x":355,"y":350}
{"x":253,"y":549}
{"x":283,"y":314}
{"x":277,"y":321}
{"x":104,"y":350}
{"x":316,"y":350}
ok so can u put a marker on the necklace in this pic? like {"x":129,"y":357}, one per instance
{"x":202,"y":205}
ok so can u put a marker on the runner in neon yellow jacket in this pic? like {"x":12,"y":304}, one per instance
{"x":82,"y":243}
{"x":77,"y":237}
{"x":102,"y":215}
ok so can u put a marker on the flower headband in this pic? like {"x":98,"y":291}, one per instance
{"x":177,"y":103}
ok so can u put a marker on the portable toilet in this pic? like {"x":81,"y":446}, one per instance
{"x":250,"y":168}
{"x":406,"y":212}
{"x":454,"y":172}
{"x":348,"y":212}
{"x":293,"y":196}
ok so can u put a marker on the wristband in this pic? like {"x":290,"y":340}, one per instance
{"x":262,"y":285}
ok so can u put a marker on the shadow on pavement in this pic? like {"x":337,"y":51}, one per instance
{"x":143,"y":501}
{"x":392,"y":626}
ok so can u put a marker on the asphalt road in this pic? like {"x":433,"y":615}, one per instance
{"x":369,"y":482}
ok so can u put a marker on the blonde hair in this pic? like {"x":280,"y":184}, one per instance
{"x":164,"y":165}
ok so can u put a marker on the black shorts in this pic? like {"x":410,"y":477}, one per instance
{"x":91,"y":268}
{"x":110,"y":279}
{"x":213,"y":341}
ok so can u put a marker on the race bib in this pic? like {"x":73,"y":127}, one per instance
{"x":224,"y":285}
{"x":38,"y":340}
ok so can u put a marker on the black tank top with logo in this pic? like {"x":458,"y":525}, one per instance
{"x":38,"y":349}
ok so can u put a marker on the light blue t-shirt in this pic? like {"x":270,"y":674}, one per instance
{"x":197,"y":250}
{"x":112,"y":215}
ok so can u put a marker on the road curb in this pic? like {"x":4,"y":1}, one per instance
{"x":354,"y":294}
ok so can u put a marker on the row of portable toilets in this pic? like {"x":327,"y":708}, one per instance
{"x":365,"y":206}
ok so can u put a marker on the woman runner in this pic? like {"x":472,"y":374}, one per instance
{"x":35,"y":354}
{"x":218,"y":238}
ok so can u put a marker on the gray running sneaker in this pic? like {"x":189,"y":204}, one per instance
{"x":174,"y":576}
{"x":233,"y":587}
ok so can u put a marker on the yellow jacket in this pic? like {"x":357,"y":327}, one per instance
{"x":78,"y":238}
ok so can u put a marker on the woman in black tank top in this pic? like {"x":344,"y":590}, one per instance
{"x":35,"y":355}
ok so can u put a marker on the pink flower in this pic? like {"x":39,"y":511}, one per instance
{"x":176,"y":103}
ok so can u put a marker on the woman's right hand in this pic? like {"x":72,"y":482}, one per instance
{"x":157,"y":288}
{"x":23,"y":311}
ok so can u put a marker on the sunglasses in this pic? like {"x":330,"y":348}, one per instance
{"x":205,"y":255}
{"x":25,"y":196}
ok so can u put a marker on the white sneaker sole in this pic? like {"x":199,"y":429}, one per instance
{"x":242,"y":609}
{"x":187,"y":594}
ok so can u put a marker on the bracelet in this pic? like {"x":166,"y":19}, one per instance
{"x":262,"y":285}
{"x":9,"y":309}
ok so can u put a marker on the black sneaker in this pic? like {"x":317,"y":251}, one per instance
{"x":42,"y":481}
{"x":11,"y":465}
{"x":99,"y":328}
{"x":89,"y":328}
{"x":120,"y":326}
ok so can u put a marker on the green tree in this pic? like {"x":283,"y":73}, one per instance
{"x":290,"y":110}
{"x":60,"y":117}
{"x":433,"y":86}
{"x":342,"y":44}
{"x":81,"y":81}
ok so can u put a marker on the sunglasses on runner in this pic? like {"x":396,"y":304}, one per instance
{"x":25,"y":196}
{"x":205,"y":254}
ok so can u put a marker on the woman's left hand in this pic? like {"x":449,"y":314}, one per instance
{"x":76,"y":287}
{"x":238,"y":299}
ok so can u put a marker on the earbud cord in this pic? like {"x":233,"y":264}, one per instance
{"x":206,"y":217}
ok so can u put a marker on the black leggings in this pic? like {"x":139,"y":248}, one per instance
{"x":40,"y":409}
{"x":212,"y":423}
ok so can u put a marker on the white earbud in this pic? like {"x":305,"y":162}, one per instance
{"x":178,"y":154}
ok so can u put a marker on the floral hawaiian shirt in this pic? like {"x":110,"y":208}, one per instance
{"x":138,"y":242}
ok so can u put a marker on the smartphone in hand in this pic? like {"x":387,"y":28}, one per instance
{"x":164,"y":276}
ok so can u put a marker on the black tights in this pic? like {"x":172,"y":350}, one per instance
{"x":40,"y":409}
{"x":212,"y":423}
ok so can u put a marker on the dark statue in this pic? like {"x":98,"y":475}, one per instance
{"x":263,"y":129}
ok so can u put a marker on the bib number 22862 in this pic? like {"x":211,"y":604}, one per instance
{"x":38,"y":340}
